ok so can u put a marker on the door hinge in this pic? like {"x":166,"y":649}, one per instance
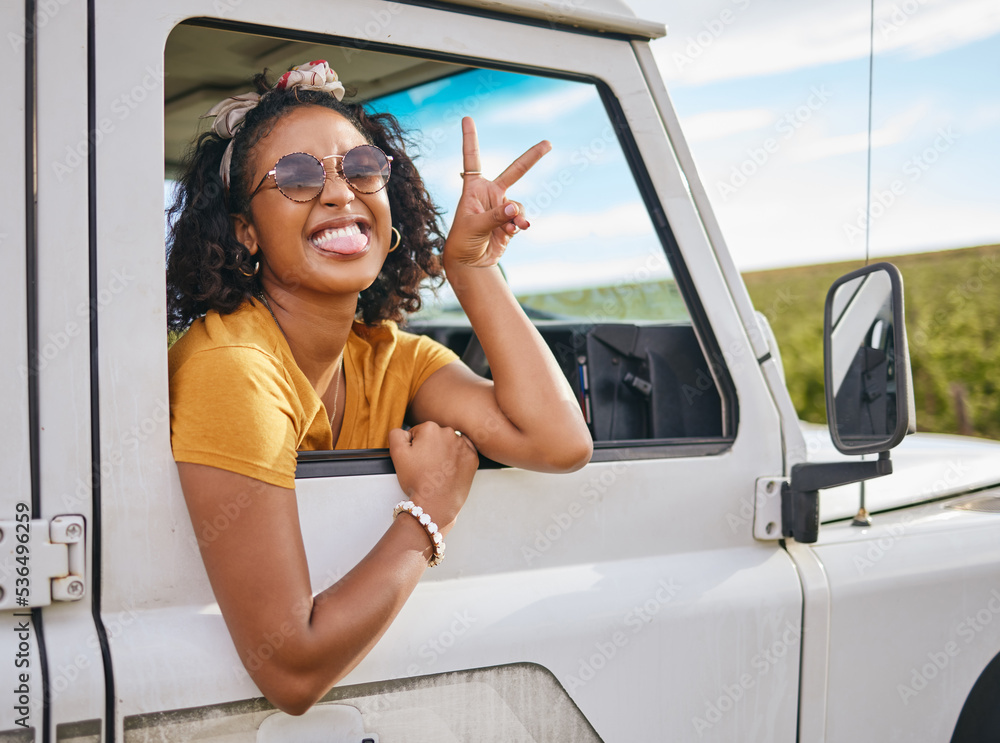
{"x":767,"y":523}
{"x":42,"y":561}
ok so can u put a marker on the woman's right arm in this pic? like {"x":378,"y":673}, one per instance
{"x":294,"y":645}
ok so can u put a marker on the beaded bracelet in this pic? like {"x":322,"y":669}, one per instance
{"x":437,"y":541}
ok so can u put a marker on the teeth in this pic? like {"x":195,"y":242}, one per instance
{"x":351,"y":229}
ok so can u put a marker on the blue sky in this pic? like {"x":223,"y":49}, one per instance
{"x":936,"y":121}
{"x":581,"y":198}
{"x":751,"y":78}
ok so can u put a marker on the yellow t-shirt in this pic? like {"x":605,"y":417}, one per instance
{"x":239,"y":402}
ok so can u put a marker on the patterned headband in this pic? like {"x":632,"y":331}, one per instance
{"x":229,"y":114}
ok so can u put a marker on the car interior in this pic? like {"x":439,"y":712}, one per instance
{"x":639,"y":380}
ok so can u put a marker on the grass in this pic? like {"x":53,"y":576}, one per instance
{"x":952,"y":317}
{"x":953,"y":325}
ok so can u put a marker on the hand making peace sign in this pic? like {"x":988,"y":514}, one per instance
{"x":485,"y":219}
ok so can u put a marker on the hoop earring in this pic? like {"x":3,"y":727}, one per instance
{"x":398,"y":239}
{"x":256,"y":269}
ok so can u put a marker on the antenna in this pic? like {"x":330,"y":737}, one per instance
{"x":862,"y":517}
{"x":868,"y":180}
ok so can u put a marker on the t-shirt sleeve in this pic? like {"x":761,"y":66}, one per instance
{"x":428,"y":357}
{"x":233,"y":408}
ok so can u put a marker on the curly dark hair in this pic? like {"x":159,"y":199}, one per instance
{"x":209,"y":269}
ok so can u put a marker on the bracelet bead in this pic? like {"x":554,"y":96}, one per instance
{"x":424,"y":519}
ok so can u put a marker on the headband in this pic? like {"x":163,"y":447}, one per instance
{"x":229,"y":114}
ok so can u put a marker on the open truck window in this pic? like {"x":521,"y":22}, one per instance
{"x":596,"y":274}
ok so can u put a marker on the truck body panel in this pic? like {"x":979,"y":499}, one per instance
{"x":628,"y":600}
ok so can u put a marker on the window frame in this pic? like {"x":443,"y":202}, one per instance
{"x":345,"y":463}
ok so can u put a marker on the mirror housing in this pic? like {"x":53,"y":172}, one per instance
{"x":869,"y":387}
{"x":869,"y":392}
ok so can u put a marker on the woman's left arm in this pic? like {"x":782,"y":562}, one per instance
{"x":527,"y":416}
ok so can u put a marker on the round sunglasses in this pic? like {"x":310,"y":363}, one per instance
{"x":301,"y":176}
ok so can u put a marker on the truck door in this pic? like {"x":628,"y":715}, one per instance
{"x":626,"y":601}
{"x":51,"y":646}
{"x":20,"y":716}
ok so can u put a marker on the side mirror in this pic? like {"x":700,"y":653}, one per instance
{"x":869,"y":393}
{"x":869,"y":387}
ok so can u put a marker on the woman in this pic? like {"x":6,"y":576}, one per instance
{"x":301,"y":236}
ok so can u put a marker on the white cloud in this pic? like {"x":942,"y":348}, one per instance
{"x":845,"y":144}
{"x":711,"y":41}
{"x":421,"y":93}
{"x":711,"y":125}
{"x":553,"y":275}
{"x":984,"y":117}
{"x":620,"y":221}
{"x":804,"y":203}
{"x":801,"y":213}
{"x":443,"y":169}
{"x":920,"y":224}
{"x":896,"y":130}
{"x":543,"y":108}
{"x":759,"y":39}
{"x":948,"y":25}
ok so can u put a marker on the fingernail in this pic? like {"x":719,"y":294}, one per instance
{"x":510,"y":210}
{"x":527,"y":224}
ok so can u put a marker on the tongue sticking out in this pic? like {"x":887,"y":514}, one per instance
{"x":345,"y":241}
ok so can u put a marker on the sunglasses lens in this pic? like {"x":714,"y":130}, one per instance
{"x":366,"y":168}
{"x":299,"y":176}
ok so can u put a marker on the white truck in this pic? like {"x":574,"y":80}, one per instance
{"x":685,"y":585}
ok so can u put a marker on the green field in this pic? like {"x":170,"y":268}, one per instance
{"x":952,"y":317}
{"x":953,"y":325}
{"x":649,"y":300}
